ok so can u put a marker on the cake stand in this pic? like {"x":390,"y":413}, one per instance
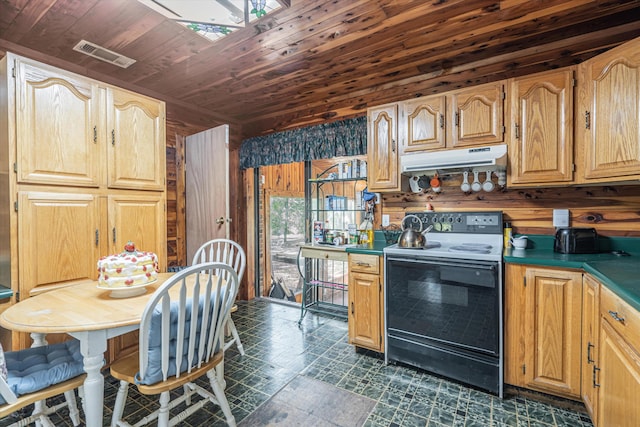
{"x":127,"y":291}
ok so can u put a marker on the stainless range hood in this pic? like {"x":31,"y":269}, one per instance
{"x":493,"y":157}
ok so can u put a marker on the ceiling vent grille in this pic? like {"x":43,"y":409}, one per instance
{"x":103,"y":54}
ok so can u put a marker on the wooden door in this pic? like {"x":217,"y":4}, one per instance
{"x":590,"y":345}
{"x":59,"y":240}
{"x":382,"y":148}
{"x":135,"y":141}
{"x":553,"y":334}
{"x":541,"y":143}
{"x":207,"y":187}
{"x":57,"y":127}
{"x":611,"y":126}
{"x":619,"y":380}
{"x":423,"y":124}
{"x":364,"y":310}
{"x":478,"y":116}
{"x":139,"y":218}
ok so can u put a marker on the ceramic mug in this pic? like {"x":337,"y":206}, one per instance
{"x":519,"y":242}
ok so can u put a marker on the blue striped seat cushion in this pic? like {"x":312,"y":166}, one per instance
{"x":36,"y":368}
{"x":153,"y":373}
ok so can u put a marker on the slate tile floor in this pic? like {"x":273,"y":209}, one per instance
{"x":278,"y":351}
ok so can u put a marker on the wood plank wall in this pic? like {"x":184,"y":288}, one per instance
{"x":613,"y":210}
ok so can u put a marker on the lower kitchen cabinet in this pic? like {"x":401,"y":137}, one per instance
{"x":366,"y":301}
{"x":543,"y":310}
{"x":618,"y":371}
{"x":619,"y":380}
{"x":590,"y":346}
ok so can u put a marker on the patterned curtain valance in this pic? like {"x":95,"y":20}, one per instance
{"x":335,"y":139}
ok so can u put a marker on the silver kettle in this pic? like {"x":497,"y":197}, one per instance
{"x":411,"y":238}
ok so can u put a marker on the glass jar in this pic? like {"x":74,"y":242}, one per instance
{"x":328,"y":237}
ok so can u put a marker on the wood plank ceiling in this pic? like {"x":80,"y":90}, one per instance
{"x":319,"y":59}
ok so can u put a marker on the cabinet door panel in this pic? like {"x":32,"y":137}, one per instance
{"x":613,"y":140}
{"x":364,"y":311}
{"x":57,"y":234}
{"x":590,"y":345}
{"x":140,"y":219}
{"x":478,"y":116}
{"x":619,"y":381}
{"x":423,"y":124}
{"x":541,"y":149}
{"x":57,"y":128}
{"x":136,"y":141}
{"x":382,"y":148}
{"x":554,"y":333}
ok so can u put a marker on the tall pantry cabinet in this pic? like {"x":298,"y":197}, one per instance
{"x":82,"y":171}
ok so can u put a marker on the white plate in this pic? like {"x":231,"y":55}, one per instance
{"x":129,"y":291}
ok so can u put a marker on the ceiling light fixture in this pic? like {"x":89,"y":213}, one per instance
{"x":215,"y":18}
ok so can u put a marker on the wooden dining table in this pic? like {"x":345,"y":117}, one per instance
{"x":88,"y":313}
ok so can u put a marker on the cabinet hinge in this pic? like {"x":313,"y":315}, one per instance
{"x":456,"y":118}
{"x":525,"y":281}
{"x":97,"y":237}
{"x":15,"y":168}
{"x":504,"y":130}
{"x":114,"y":235}
{"x":503,"y":95}
{"x":573,"y":167}
{"x":13,"y":70}
{"x":15,"y":206}
{"x":574,"y":83}
{"x":524,"y":369}
{"x":18,"y":296}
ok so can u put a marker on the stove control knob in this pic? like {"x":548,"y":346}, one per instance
{"x":450,"y":219}
{"x":437,"y":226}
{"x":459,"y":219}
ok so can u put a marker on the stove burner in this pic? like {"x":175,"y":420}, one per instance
{"x":477,"y":248}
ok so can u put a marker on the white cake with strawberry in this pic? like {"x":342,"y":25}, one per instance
{"x":127,"y":269}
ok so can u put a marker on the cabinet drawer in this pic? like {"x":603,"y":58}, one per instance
{"x":624,"y":318}
{"x":333,"y":255}
{"x":364,"y":263}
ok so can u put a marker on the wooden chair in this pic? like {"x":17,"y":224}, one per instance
{"x":230,"y":253}
{"x":36,"y":374}
{"x":180,"y":341}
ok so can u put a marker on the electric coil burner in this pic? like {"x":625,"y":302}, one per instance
{"x":443,"y":302}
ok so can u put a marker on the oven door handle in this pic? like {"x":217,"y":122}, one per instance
{"x":489,"y":267}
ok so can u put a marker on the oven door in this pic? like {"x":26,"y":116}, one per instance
{"x":454,"y":302}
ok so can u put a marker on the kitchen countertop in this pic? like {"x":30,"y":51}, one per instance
{"x":379,"y":243}
{"x":618,"y":273}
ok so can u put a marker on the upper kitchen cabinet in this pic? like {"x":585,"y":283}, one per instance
{"x":478,"y":115}
{"x":423,"y":124}
{"x":464,"y":118}
{"x":71,"y":130}
{"x":136,"y":126}
{"x":609,"y":112}
{"x":541,"y":141}
{"x":57,"y":123}
{"x":382,"y":148}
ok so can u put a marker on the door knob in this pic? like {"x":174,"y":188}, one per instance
{"x":220,"y":221}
